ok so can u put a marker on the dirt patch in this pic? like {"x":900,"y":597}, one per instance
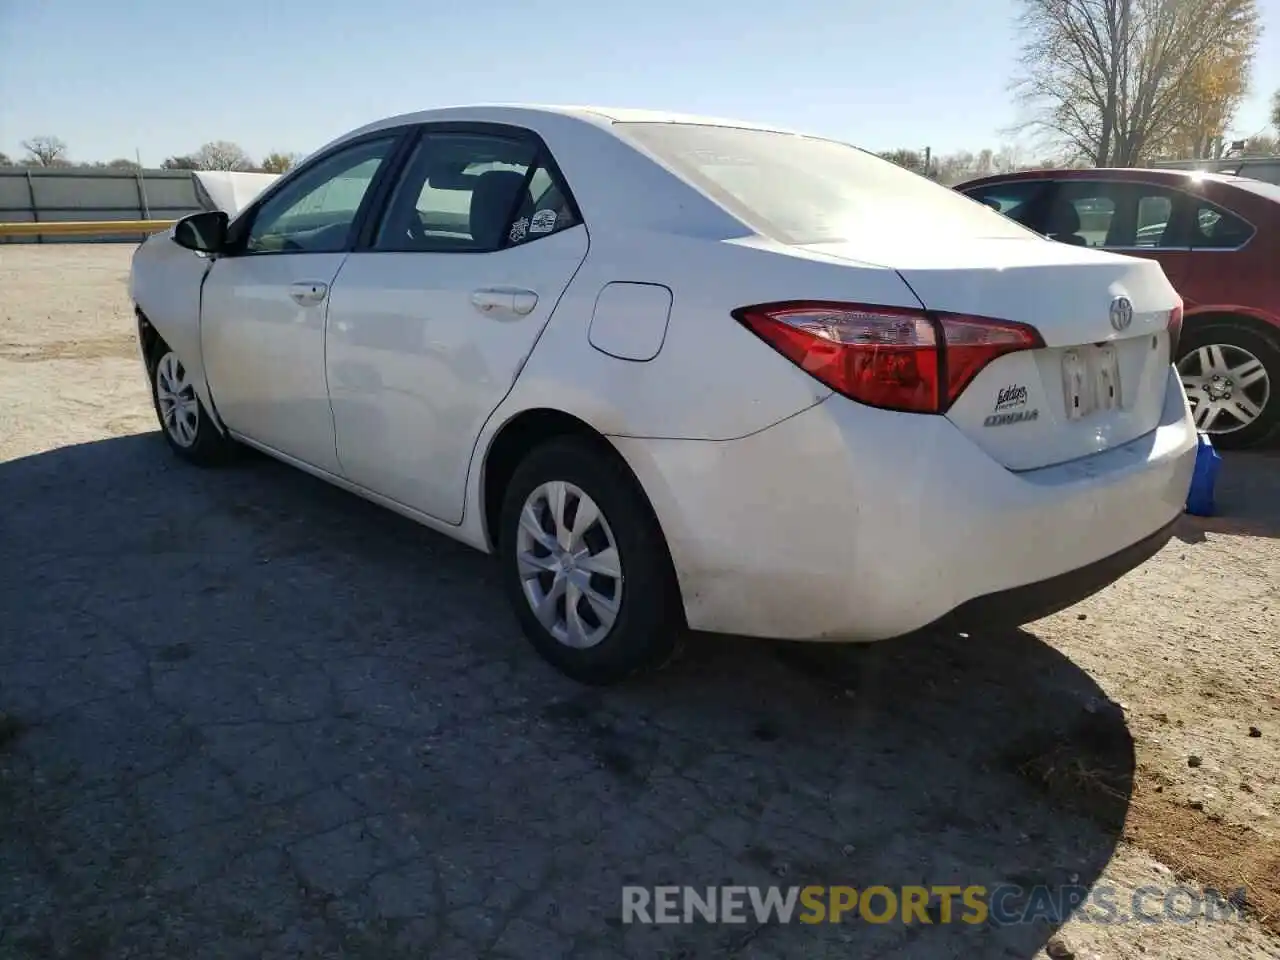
{"x":1201,"y":847}
{"x":1087,"y":768}
{"x":91,"y":348}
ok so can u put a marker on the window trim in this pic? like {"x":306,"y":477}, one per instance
{"x":542,"y":156}
{"x":239,"y":228}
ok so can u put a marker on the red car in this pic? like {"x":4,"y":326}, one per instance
{"x":1218,"y":239}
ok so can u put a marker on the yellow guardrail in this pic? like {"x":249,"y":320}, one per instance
{"x":82,"y":228}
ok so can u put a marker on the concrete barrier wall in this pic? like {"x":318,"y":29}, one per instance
{"x":91,"y":193}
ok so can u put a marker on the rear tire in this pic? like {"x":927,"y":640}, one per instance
{"x":578,"y":542}
{"x":1246,"y":365}
{"x":184,"y":423}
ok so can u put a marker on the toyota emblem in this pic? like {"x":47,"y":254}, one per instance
{"x":1121,"y":313}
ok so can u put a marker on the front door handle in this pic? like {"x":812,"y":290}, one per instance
{"x":504,"y":300}
{"x":308,"y":292}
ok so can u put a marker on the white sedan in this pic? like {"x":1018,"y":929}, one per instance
{"x":682,"y":373}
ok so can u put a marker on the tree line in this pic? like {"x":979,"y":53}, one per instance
{"x":962,"y":165}
{"x":50,"y":151}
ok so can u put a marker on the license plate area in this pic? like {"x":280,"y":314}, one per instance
{"x":1091,"y":380}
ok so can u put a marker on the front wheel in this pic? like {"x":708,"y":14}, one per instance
{"x":184,"y":422}
{"x":1231,"y":373}
{"x":585,"y":565}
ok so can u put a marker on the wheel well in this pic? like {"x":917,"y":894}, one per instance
{"x":1260,"y":327}
{"x":147,"y":335}
{"x":517,"y":437}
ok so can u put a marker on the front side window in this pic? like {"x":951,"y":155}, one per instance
{"x":473,"y":193}
{"x":802,"y":190}
{"x":1019,"y":200}
{"x":316,"y":210}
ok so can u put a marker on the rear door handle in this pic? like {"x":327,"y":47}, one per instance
{"x":308,"y":292}
{"x":504,"y":300}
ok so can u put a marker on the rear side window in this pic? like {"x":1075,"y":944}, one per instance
{"x":1155,"y":213}
{"x":1215,"y":229}
{"x":1119,"y":214}
{"x":473,"y":193}
{"x":802,"y":190}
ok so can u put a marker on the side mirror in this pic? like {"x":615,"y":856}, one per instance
{"x":204,"y":232}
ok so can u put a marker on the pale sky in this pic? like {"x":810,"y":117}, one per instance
{"x":164,"y":77}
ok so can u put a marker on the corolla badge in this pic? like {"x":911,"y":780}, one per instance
{"x":1121,"y":313}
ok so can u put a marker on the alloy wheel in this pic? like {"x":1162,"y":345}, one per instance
{"x":569,"y":564}
{"x":176,"y":398}
{"x":1227,"y":385}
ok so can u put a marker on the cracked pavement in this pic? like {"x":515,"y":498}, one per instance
{"x":258,"y":717}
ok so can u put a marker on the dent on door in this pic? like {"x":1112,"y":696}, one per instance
{"x":630,"y":320}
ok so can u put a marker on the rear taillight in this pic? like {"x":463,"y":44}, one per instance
{"x":891,"y":357}
{"x":1175,"y":330}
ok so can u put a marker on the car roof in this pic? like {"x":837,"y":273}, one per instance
{"x":523,"y":113}
{"x":1147,"y":174}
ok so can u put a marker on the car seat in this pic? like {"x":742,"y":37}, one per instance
{"x":1063,"y":224}
{"x":492,"y":202}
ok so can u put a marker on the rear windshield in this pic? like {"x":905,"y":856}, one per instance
{"x":802,"y":190}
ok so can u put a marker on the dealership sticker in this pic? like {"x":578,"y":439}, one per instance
{"x":544,"y":221}
{"x":519,"y":229}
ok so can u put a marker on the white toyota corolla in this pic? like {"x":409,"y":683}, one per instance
{"x":683,"y":373}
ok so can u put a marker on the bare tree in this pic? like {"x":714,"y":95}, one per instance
{"x":1113,"y":81}
{"x":278,"y":162}
{"x":1010,"y":157}
{"x":179,"y":163}
{"x":45,"y":151}
{"x":5,"y":161}
{"x":1275,"y":110}
{"x":222,"y":155}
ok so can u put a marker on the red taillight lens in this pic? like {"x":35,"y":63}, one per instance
{"x":891,"y":357}
{"x":973,"y":342}
{"x":1175,"y":330}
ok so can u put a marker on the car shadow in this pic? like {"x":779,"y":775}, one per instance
{"x":161,"y":615}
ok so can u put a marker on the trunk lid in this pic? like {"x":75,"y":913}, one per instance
{"x":1094,"y":385}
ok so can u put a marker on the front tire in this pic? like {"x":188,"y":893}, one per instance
{"x":1231,"y":373}
{"x":585,"y":565}
{"x":184,"y":422}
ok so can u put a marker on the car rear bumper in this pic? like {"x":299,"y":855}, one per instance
{"x":849,"y":523}
{"x":1018,"y":605}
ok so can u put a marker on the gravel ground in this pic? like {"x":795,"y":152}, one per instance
{"x":243,"y":714}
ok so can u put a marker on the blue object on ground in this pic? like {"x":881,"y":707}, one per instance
{"x":1208,"y":462}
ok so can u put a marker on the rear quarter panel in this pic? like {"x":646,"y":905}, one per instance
{"x":1244,"y":282}
{"x":712,"y":379}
